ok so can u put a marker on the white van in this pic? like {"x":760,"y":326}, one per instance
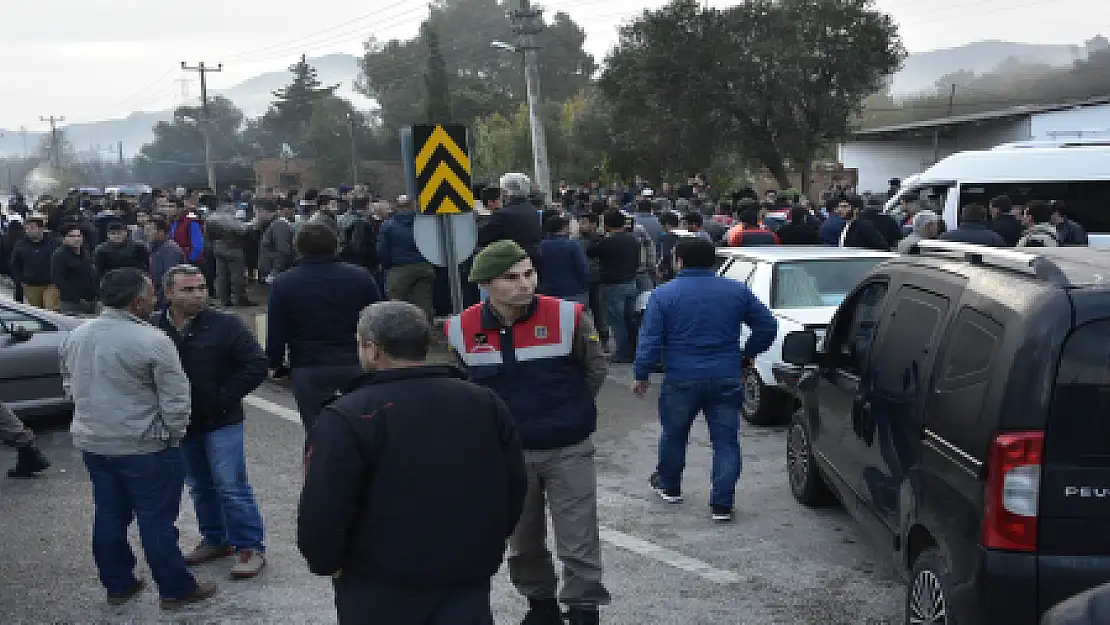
{"x":1076,"y":175}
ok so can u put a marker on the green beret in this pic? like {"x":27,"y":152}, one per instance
{"x":497,"y":258}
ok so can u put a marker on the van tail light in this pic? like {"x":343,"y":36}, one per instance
{"x":1012,"y":492}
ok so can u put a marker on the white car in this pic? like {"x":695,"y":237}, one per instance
{"x":802,"y":285}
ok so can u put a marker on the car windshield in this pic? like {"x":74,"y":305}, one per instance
{"x":817,"y":283}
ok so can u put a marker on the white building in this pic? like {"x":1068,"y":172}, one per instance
{"x":906,"y":149}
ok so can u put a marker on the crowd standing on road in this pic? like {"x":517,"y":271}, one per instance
{"x":159,"y":376}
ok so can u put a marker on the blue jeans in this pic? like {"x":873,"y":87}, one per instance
{"x":146,"y":486}
{"x":719,"y":399}
{"x":216,"y":472}
{"x":619,"y":301}
{"x":316,"y":385}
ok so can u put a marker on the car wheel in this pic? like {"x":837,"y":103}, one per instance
{"x":763,"y":405}
{"x":806,"y":483}
{"x":929,"y":590}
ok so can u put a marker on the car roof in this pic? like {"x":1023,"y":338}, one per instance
{"x":65,"y":322}
{"x":782,"y":253}
{"x":1067,"y":267}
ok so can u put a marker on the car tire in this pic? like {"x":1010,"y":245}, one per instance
{"x":929,"y":590}
{"x":806,"y":483}
{"x":764,"y":405}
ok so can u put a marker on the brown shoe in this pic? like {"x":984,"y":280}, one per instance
{"x":200,"y":593}
{"x":206,"y":553}
{"x":140,"y":585}
{"x":248,"y":563}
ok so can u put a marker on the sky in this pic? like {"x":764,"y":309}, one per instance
{"x":89,"y":60}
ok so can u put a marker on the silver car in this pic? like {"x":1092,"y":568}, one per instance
{"x":30,"y":377}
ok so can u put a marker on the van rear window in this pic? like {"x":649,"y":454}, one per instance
{"x":1080,"y":422}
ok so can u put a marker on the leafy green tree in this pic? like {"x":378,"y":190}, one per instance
{"x":176,"y":156}
{"x":483,"y":80}
{"x":342,"y":138}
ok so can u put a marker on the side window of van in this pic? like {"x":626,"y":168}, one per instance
{"x":856,"y":327}
{"x":909,"y":341}
{"x":1083,"y":201}
{"x":963,"y":377}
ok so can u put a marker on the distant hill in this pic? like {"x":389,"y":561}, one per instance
{"x":921,"y":70}
{"x":254,"y":95}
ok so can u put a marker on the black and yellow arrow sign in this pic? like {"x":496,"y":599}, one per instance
{"x":442,"y":170}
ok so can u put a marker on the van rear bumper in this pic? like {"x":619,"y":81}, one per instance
{"x":1063,"y":577}
{"x":1006,"y":591}
{"x":1017,"y":588}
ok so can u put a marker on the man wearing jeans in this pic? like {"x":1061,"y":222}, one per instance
{"x":224,"y":363}
{"x":130,"y":410}
{"x":693,"y":322}
{"x":619,"y":257}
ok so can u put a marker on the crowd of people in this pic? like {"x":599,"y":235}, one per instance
{"x":159,"y":377}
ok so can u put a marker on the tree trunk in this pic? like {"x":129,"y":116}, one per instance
{"x":807,"y":176}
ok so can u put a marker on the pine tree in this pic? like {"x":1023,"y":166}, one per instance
{"x":438,"y":100}
{"x":292,"y":109}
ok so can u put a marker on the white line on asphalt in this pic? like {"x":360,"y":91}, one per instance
{"x":614,"y":537}
{"x":275,"y":409}
{"x":669,"y":557}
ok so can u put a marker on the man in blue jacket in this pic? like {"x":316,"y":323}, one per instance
{"x":313,"y":310}
{"x":693,"y":323}
{"x":564,"y":271}
{"x":409,"y":276}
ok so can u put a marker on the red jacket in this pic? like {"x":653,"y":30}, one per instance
{"x":181,"y":233}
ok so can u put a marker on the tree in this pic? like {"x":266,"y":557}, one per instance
{"x":786,"y":79}
{"x":435,"y":78}
{"x":289,"y":115}
{"x":176,"y":156}
{"x":482,"y":80}
{"x":341,"y":137}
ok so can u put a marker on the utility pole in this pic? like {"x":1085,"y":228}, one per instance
{"x":54,"y":148}
{"x":354,"y":154}
{"x":119,"y":148}
{"x":936,"y":131}
{"x":527,"y":23}
{"x":23,"y":133}
{"x":205,"y":121}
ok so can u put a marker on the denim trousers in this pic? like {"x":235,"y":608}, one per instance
{"x":619,"y":301}
{"x":147,"y":487}
{"x":719,"y":399}
{"x":216,"y":472}
{"x":316,"y":385}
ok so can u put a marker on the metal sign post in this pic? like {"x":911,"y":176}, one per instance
{"x":437,"y":175}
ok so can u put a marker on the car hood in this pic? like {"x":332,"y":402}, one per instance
{"x":817,"y":316}
{"x":63,"y":322}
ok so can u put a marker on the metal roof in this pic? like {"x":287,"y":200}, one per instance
{"x":986,"y":116}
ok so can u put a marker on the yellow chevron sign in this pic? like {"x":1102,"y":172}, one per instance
{"x":442,"y":170}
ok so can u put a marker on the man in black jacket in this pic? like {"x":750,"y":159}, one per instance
{"x":224,"y":363}
{"x":973,"y":228}
{"x":1004,"y":222}
{"x":120,"y":251}
{"x":31,"y":264}
{"x":374,"y":473}
{"x":72,"y":271}
{"x":518,"y":220}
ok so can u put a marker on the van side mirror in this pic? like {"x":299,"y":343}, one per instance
{"x":799,"y":348}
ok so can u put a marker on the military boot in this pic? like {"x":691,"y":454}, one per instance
{"x":543,"y":612}
{"x":583,"y":616}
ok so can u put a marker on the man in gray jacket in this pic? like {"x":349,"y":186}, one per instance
{"x":131,"y":405}
{"x":276,"y":247}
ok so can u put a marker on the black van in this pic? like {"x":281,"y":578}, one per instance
{"x":960,"y":410}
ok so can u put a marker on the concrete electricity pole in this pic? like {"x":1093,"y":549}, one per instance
{"x":55,"y":149}
{"x":205,"y":122}
{"x":527,"y":23}
{"x":354,"y":153}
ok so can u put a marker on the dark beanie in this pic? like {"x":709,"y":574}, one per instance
{"x":495,"y":260}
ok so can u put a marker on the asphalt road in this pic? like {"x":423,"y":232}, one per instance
{"x":665,"y":564}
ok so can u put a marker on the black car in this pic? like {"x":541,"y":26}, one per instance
{"x":960,"y":410}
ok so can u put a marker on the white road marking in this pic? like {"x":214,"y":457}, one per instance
{"x":617,"y":538}
{"x":704,"y":570}
{"x":273,"y":408}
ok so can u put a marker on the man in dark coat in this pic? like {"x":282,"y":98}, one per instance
{"x":973,"y":228}
{"x":1004,"y":222}
{"x":224,"y":363}
{"x":374,"y":457}
{"x":518,"y":220}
